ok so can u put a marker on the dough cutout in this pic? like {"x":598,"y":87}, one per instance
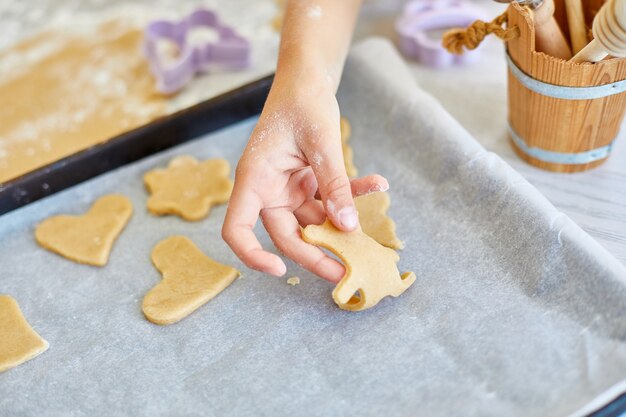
{"x":18,"y":341}
{"x":374,"y":220}
{"x":293,"y":280}
{"x":348,"y":154}
{"x":190,"y":280}
{"x":188,"y":188}
{"x":87,"y":239}
{"x":277,"y":22}
{"x":371,"y":269}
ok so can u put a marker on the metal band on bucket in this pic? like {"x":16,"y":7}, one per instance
{"x":563,"y":92}
{"x":578,"y":158}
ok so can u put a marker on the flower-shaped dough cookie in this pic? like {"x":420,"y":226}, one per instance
{"x":188,"y":188}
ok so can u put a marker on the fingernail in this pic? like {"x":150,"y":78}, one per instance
{"x":348,"y":217}
{"x":281,"y":269}
{"x":381,"y":187}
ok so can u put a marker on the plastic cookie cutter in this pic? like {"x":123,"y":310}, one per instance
{"x":227,"y":50}
{"x":421,"y":27}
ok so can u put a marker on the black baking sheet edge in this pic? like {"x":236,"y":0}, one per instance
{"x":163,"y":133}
{"x":616,"y":408}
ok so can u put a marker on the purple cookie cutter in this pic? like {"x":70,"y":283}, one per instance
{"x":230,"y":50}
{"x":422,"y":16}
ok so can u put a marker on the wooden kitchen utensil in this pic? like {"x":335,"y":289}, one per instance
{"x":609,"y":32}
{"x":548,"y":34}
{"x":563,"y":116}
{"x":576,"y":24}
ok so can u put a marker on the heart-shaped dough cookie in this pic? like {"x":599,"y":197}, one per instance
{"x":188,"y":188}
{"x":371,"y":271}
{"x":190,"y":280}
{"x":87,"y":239}
{"x":18,"y":341}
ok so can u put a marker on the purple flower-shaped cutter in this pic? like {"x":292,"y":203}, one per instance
{"x":230,"y":50}
{"x":421,"y":16}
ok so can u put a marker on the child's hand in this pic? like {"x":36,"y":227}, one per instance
{"x":293,"y":154}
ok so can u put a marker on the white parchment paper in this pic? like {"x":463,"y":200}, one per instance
{"x":515,"y":311}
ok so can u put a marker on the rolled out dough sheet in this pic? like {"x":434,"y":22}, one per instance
{"x":81,"y":63}
{"x":516,"y":312}
{"x":89,"y":90}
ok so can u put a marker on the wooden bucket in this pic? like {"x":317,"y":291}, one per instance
{"x":562,"y":116}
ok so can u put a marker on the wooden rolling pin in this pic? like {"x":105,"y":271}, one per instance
{"x":549,"y":38}
{"x":609,"y":32}
{"x":576,"y":23}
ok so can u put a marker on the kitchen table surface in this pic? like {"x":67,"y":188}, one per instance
{"x":476,"y":95}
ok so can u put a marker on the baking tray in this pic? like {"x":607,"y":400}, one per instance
{"x":162,"y":133}
{"x":616,"y":408}
{"x":515,"y":311}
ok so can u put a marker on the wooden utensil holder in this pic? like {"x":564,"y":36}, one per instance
{"x":563,"y":116}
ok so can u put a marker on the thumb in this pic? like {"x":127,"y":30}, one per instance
{"x":326,"y":160}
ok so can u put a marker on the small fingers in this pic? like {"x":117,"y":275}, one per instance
{"x":326,"y":159}
{"x":301,"y":187}
{"x":365,"y":185}
{"x":237,"y":231}
{"x":368,"y":185}
{"x":311,"y":212}
{"x":285,"y":233}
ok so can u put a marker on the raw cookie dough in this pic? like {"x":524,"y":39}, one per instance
{"x":18,"y":341}
{"x":277,"y":22}
{"x":190,"y":280}
{"x":374,"y":220}
{"x":87,"y":239}
{"x":61,"y":93}
{"x":188,"y":188}
{"x":293,"y":281}
{"x":348,"y":154}
{"x":370,"y":267}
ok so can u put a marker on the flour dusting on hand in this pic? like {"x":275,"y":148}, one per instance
{"x":315,"y":12}
{"x":330,"y":207}
{"x":317,"y":159}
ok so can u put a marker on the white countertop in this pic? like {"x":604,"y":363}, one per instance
{"x":476,"y":96}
